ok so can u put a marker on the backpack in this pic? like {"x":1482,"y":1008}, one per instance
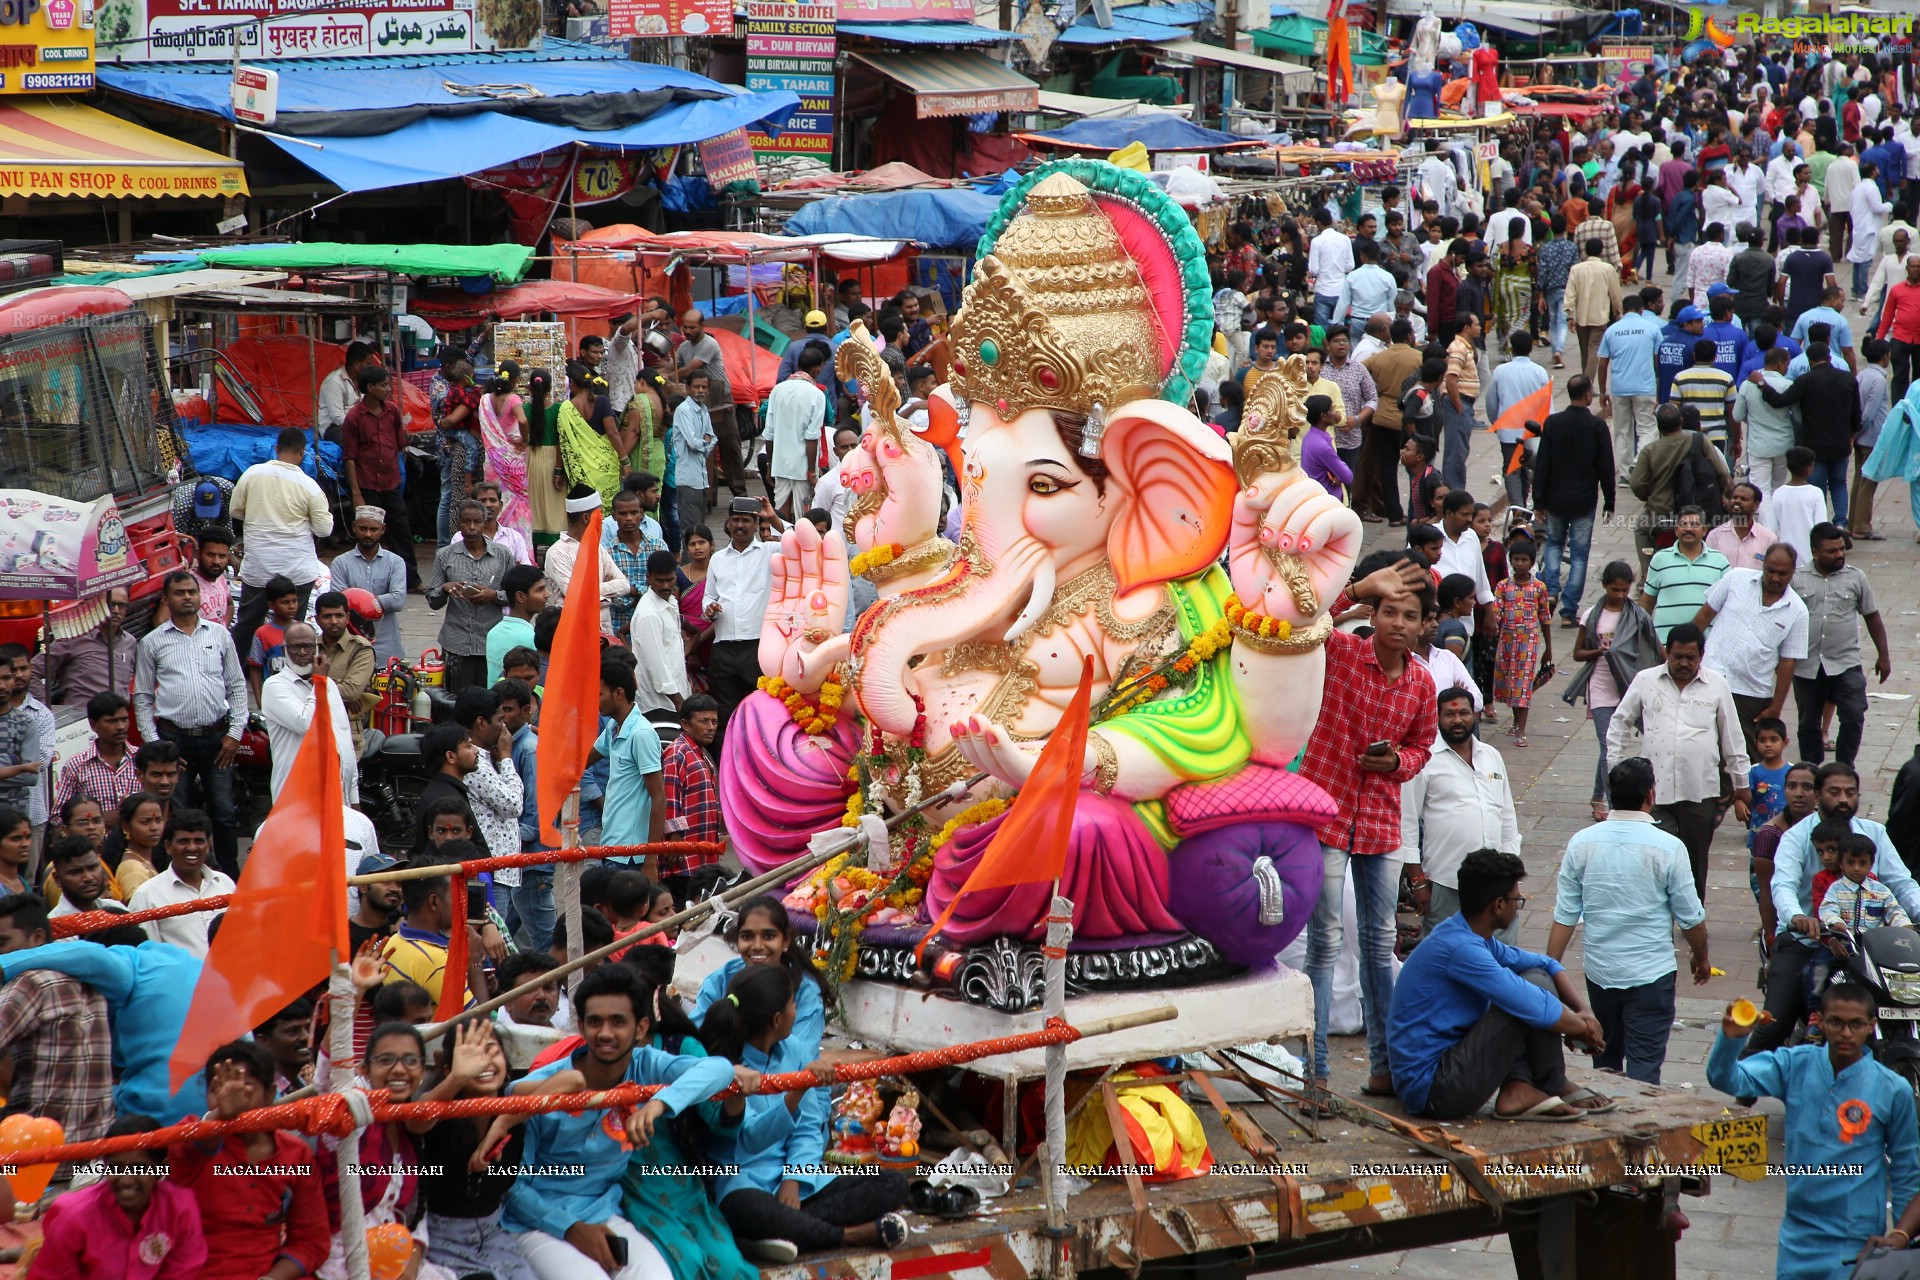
{"x":1695,"y":481}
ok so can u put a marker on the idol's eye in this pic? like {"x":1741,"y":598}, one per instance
{"x":1044,"y":485}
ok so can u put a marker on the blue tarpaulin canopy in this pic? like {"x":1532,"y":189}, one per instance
{"x":438,"y":147}
{"x":1156,"y":133}
{"x":1125,"y":30}
{"x":941,"y":219}
{"x":367,"y":124}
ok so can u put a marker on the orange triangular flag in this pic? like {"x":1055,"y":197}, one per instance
{"x":288,"y":921}
{"x":570,"y":709}
{"x":1031,"y":845}
{"x":1532,"y":408}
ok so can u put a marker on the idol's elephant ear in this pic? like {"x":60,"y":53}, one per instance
{"x":943,"y":427}
{"x":1176,"y":482}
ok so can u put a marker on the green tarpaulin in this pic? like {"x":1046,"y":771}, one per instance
{"x":1299,"y":36}
{"x":505,"y":263}
{"x":1110,"y":82}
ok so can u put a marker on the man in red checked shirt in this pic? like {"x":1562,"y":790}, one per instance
{"x":691,"y":793}
{"x":1901,"y":318}
{"x":1377,"y":726}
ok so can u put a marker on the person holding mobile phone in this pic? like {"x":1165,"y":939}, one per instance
{"x":565,"y":1205}
{"x":465,"y":581}
{"x":1376,"y":730}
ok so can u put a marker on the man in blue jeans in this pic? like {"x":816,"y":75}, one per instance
{"x":1572,"y":471}
{"x":1626,"y":883}
{"x":530,"y":914}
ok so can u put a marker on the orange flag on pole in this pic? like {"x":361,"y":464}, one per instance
{"x":1031,"y":845}
{"x":1515,"y":417}
{"x":288,"y":919}
{"x":570,"y":709}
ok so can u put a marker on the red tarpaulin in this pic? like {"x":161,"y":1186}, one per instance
{"x":450,"y":309}
{"x":284,"y":372}
{"x":752,"y":369}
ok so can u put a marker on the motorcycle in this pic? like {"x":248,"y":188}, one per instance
{"x":1886,"y":961}
{"x":393,"y":773}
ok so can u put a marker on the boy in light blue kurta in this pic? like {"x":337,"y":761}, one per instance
{"x":1849,"y":1124}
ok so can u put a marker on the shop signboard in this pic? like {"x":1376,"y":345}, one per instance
{"x":904,"y":10}
{"x":790,"y":46}
{"x":1620,"y":52}
{"x":46,"y":46}
{"x":55,"y":549}
{"x":669,"y":18}
{"x":192,"y":30}
{"x":728,"y":159}
{"x":256,"y":95}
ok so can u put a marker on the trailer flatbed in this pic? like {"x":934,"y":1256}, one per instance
{"x":1601,"y":1187}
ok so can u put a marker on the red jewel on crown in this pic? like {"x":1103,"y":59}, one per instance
{"x":1048,"y":379}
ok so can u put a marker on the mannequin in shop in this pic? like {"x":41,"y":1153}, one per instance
{"x":1423,"y":94}
{"x":1389,"y":96}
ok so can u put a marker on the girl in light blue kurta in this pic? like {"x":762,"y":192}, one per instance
{"x":782,"y":1190}
{"x":1847,"y":1117}
{"x":763,"y":935}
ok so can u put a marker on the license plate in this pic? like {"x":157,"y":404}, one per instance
{"x":1899,"y":1015}
{"x":1738,"y":1145}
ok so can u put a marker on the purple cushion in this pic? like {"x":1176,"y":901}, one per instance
{"x":1215,"y":893}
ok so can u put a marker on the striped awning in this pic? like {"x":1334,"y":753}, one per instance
{"x":52,"y":147}
{"x":956,"y":82}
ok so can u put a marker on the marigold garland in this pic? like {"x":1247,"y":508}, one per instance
{"x":813,"y":716}
{"x":878,"y":558}
{"x":1178,"y":672}
{"x":1267,"y":628}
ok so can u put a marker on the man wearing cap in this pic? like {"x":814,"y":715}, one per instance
{"x":202,"y":504}
{"x":376,"y":913}
{"x":380,"y":573}
{"x":817,"y":334}
{"x":1676,"y":348}
{"x":374,"y":436}
{"x":582,"y":502}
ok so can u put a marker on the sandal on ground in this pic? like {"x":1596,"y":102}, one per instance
{"x":773,"y":1251}
{"x":1520,"y":740}
{"x":1543,"y":1112}
{"x":1372,"y":1092}
{"x":1565,"y":621}
{"x":893,"y":1230}
{"x":1871,"y":537}
{"x":1579,"y":1097}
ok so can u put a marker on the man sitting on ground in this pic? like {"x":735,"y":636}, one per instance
{"x":1474,"y":1018}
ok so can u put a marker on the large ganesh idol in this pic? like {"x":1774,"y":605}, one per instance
{"x":1095,"y":513}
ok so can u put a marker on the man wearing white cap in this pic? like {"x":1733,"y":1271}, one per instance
{"x":582,"y":502}
{"x":379,"y":572}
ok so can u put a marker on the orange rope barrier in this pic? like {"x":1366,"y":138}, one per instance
{"x":328,"y":1113}
{"x":93,"y":921}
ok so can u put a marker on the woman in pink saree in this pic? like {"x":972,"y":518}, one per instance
{"x":503,"y":432}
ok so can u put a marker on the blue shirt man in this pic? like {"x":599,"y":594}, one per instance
{"x":148,"y":990}
{"x":633,"y":811}
{"x":1757,"y":357}
{"x":1626,"y":883}
{"x":1840,"y":339}
{"x":1730,"y":341}
{"x":1849,"y":1133}
{"x":1628,"y":347}
{"x":1676,"y":348}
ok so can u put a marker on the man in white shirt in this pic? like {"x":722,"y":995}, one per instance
{"x":1748,"y":182}
{"x":1689,"y":730}
{"x":284,"y":510}
{"x":1780,"y":183}
{"x":1329,"y":258}
{"x":1843,"y":176}
{"x":1437,"y":179}
{"x":582,"y":502}
{"x":1496,"y":234}
{"x":286,"y":704}
{"x":340,"y":390}
{"x":661,"y":674}
{"x":1460,"y":550}
{"x":1462,"y":801}
{"x":188,"y":878}
{"x":1762,"y":636}
{"x":739,"y":585}
{"x":796,"y":410}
